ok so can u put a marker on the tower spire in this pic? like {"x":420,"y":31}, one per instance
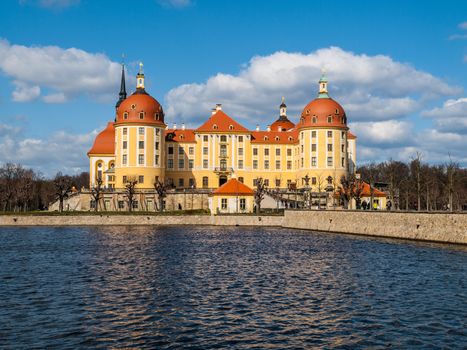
{"x":323,"y":85}
{"x":122,"y":94}
{"x":140,"y":78}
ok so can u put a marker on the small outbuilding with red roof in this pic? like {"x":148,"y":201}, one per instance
{"x":232,"y":197}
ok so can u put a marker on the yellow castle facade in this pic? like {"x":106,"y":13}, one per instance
{"x":315,"y":152}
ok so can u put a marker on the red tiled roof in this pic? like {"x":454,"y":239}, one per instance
{"x":286,"y":137}
{"x":234,"y":187}
{"x":223,"y":123}
{"x":316,"y":113}
{"x":351,"y":136}
{"x":104,"y":142}
{"x":180,"y":135}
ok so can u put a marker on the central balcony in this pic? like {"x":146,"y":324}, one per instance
{"x":223,"y":170}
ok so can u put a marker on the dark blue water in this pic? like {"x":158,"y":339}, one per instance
{"x":228,"y":288}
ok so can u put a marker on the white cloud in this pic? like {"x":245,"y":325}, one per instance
{"x":452,"y":116}
{"x":61,"y":151}
{"x":175,"y":3}
{"x":368,"y":87}
{"x":384,"y":133}
{"x":25,"y":93}
{"x":52,"y":4}
{"x":62,"y":73}
{"x":463,"y":25}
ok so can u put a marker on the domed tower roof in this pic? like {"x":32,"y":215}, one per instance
{"x":104,"y":142}
{"x":140,"y":107}
{"x":282,"y":123}
{"x":323,"y":111}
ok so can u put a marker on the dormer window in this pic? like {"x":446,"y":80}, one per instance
{"x":307,"y":111}
{"x":337,"y":111}
{"x":277,"y":138}
{"x":181,"y":137}
{"x":231,"y":127}
{"x":342,"y":120}
{"x":290,"y":138}
{"x":133,"y":106}
{"x":125,"y":115}
{"x":266,"y":138}
{"x":141,"y":115}
{"x":156,"y":116}
{"x":302,"y":120}
{"x":314,"y":119}
{"x":214,"y":127}
{"x":329,"y":119}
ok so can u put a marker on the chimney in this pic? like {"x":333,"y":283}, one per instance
{"x":257,"y":127}
{"x":279,"y":128}
{"x":218,"y":107}
{"x":268,"y":128}
{"x":213,"y":111}
{"x":183,"y":126}
{"x":175,"y":126}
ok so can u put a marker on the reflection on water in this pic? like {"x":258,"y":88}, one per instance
{"x":209,"y":287}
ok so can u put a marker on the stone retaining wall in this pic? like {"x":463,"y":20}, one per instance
{"x":437,"y":227}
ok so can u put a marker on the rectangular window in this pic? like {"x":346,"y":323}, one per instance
{"x":240,"y":179}
{"x":329,"y":161}
{"x":158,"y":132}
{"x":125,"y":145}
{"x":223,"y":138}
{"x":242,"y":204}
{"x":313,"y":180}
{"x":330,"y":133}
{"x":170,"y":163}
{"x":181,"y":163}
{"x":125,"y":131}
{"x":289,"y":152}
{"x":141,"y":130}
{"x":205,"y":151}
{"x":329,"y":147}
{"x":255,"y":164}
{"x":140,"y":159}
{"x":181,"y":182}
{"x":205,"y":138}
{"x":141,"y":144}
{"x":278,"y":151}
{"x":301,"y":148}
{"x":313,"y":161}
{"x":240,"y":139}
{"x":157,"y":146}
{"x":266,"y":151}
{"x":255,"y":151}
{"x":181,"y":151}
{"x":121,"y":204}
{"x":156,"y":160}
{"x":205,"y":182}
{"x":266,"y":182}
{"x":313,"y":133}
{"x":266,"y":164}
{"x":289,"y":165}
{"x":342,"y":162}
{"x":343,"y":134}
{"x":240,"y":151}
{"x":301,"y":162}
{"x":190,"y":163}
{"x":278,"y":164}
{"x":205,"y":163}
{"x":223,"y":150}
{"x":343,"y":148}
{"x":141,"y":179}
{"x":224,"y":203}
{"x":191,"y":182}
{"x":278,"y":182}
{"x":135,"y":205}
{"x":240,"y":163}
{"x":124,"y":159}
{"x":191,"y":151}
{"x":124,"y":179}
{"x":313,"y":147}
{"x":171,"y":150}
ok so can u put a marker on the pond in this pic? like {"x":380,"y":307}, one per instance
{"x":218,"y":288}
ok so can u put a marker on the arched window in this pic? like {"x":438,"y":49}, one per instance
{"x":141,"y":115}
{"x":266,"y":138}
{"x":307,"y":111}
{"x":277,"y":138}
{"x":329,"y":119}
{"x":214,"y":126}
{"x":315,"y":119}
{"x":231,"y":127}
{"x":125,"y":115}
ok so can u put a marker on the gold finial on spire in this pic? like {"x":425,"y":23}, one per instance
{"x":140,"y":68}
{"x":283,"y":99}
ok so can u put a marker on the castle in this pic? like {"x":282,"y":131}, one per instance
{"x":314,"y":153}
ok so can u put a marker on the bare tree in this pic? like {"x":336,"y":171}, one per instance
{"x":63,"y":186}
{"x":96,"y":193}
{"x":161,"y":190}
{"x":320,"y":181}
{"x":415,"y":165}
{"x":259,"y":193}
{"x":130,"y":191}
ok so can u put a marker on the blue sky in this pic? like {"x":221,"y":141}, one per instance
{"x":397,"y":67}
